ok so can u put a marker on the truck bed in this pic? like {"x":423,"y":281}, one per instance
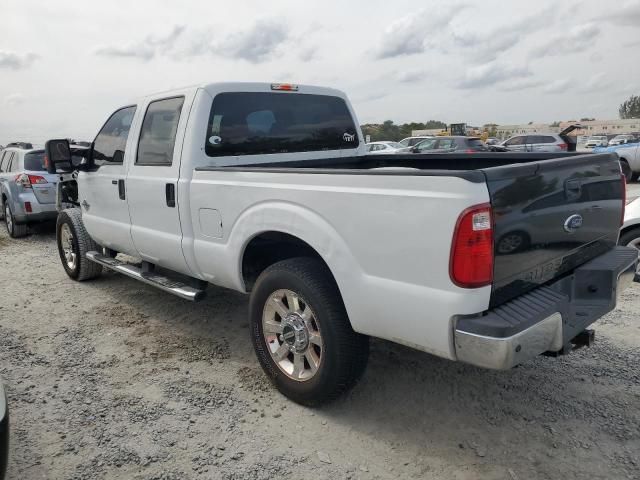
{"x":533,"y":196}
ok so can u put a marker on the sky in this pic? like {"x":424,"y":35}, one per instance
{"x":65,"y":65}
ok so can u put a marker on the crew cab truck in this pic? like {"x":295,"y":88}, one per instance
{"x":266,"y":189}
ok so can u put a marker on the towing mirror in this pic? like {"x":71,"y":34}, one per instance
{"x":58,"y":156}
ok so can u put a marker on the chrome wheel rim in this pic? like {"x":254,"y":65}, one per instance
{"x":510,"y":243}
{"x":66,"y":242}
{"x":292,"y":335}
{"x":8,"y":218}
{"x":635,"y":243}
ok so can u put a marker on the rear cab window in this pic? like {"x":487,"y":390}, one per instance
{"x":158,"y":133}
{"x":258,"y":123}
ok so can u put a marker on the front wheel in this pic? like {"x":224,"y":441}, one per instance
{"x":73,"y":244}
{"x":301,"y":333}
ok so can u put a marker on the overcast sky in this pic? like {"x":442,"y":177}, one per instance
{"x":65,"y":65}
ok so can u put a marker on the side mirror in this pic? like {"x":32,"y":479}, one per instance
{"x":415,"y":150}
{"x":58,"y":156}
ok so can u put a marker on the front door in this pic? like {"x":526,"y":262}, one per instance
{"x":152,"y":183}
{"x":101,"y":193}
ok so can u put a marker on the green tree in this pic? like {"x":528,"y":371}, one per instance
{"x":630,"y":108}
{"x":555,"y":124}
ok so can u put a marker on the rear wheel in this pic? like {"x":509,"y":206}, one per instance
{"x":73,"y":244}
{"x":630,"y":238}
{"x":301,"y":333}
{"x":14,"y":230}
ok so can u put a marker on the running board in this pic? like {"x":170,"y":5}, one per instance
{"x":177,"y":288}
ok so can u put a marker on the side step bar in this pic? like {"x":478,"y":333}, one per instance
{"x":177,"y":288}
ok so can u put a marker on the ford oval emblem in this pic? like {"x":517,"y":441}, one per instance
{"x":573,"y":223}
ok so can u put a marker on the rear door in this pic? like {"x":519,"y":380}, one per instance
{"x":550,"y":217}
{"x":152,"y":182}
{"x":516,"y":144}
{"x":101,"y":192}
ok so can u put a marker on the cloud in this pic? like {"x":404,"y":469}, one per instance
{"x":371,"y":97}
{"x":411,"y":76}
{"x":408,"y":35}
{"x":577,"y":39}
{"x":150,"y":47}
{"x":626,"y":16}
{"x":256,"y":44}
{"x":558,"y":86}
{"x":523,"y":84}
{"x":308,"y":54}
{"x":489,"y":42}
{"x":490,"y":74}
{"x":14,"y":99}
{"x":16,"y":61}
{"x":596,"y":83}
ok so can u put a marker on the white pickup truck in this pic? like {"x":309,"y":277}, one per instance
{"x":489,"y":259}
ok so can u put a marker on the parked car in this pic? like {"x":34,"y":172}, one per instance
{"x":492,"y":141}
{"x":4,"y":432}
{"x":450,"y":145}
{"x":375,"y":148}
{"x":597,"y":141}
{"x":280,"y":200}
{"x":629,"y":154}
{"x":547,"y":142}
{"x":413,"y":141}
{"x":630,"y":231}
{"x":27,"y":191}
{"x":622,"y":140}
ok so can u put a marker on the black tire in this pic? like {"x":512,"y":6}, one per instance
{"x":83,"y":269}
{"x":14,"y":231}
{"x":629,"y":236}
{"x":635,"y":176}
{"x":626,"y":170}
{"x":345,"y":352}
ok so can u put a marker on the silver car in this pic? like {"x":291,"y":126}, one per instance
{"x":27,"y":191}
{"x":543,"y":142}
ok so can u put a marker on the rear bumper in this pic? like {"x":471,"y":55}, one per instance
{"x":547,"y":318}
{"x":39,"y":211}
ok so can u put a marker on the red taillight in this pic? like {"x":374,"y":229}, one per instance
{"x":471,"y":262}
{"x":27,"y":207}
{"x":563,"y":146}
{"x":624,"y":197}
{"x":27,"y":180}
{"x":468,"y":150}
{"x":286,"y":87}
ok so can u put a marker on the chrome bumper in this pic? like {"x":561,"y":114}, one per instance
{"x":548,"y":318}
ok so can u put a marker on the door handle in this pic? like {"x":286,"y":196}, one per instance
{"x":114,"y":182}
{"x":170,"y":194}
{"x":121,"y":192}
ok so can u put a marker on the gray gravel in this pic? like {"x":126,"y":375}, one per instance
{"x":113,"y":379}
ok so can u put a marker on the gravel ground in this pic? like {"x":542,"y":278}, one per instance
{"x":114,"y":379}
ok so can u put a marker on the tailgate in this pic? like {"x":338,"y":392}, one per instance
{"x":550,"y":217}
{"x":45,"y":192}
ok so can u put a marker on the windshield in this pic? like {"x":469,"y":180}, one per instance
{"x":34,"y":162}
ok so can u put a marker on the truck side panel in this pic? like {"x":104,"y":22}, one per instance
{"x":386,"y":239}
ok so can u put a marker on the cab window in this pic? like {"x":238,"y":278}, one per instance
{"x":109,"y":144}
{"x":158,"y":133}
